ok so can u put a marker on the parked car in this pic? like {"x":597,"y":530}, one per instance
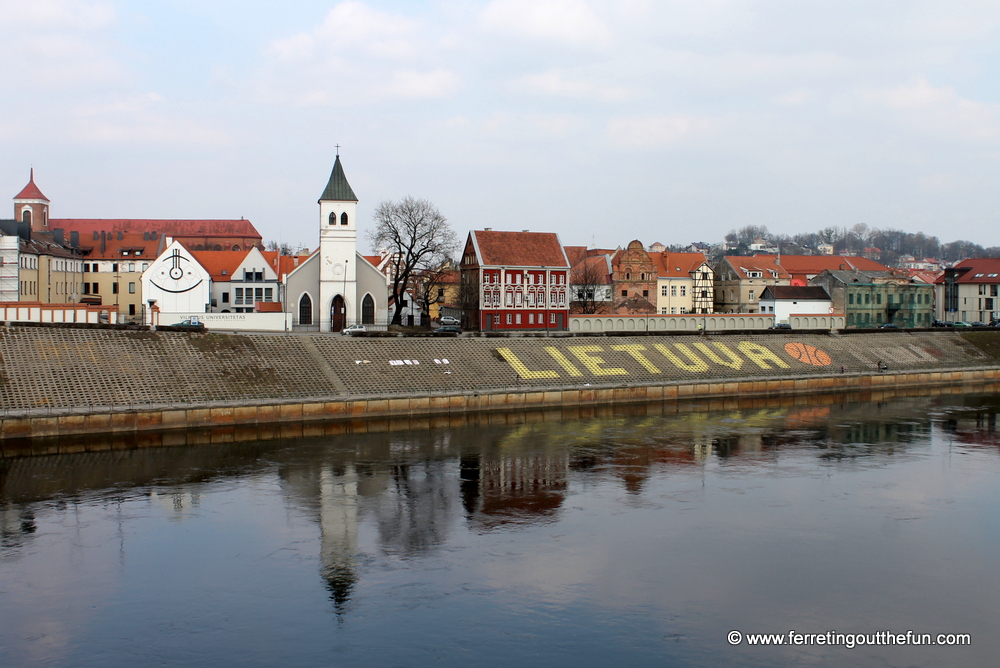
{"x":189,"y":323}
{"x":888,"y":325}
{"x":959,"y":323}
{"x":449,"y":320}
{"x":977,"y":324}
{"x":780,"y":325}
{"x":353,"y":329}
{"x":448,"y":329}
{"x":943,"y":323}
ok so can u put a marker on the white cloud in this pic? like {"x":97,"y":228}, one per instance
{"x":935,"y":110}
{"x":357,"y":55}
{"x":139,"y":119}
{"x":554,"y":82}
{"x":569,"y":21}
{"x":658,"y":131}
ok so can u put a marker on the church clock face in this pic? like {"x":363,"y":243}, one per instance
{"x":175,"y":274}
{"x":338,"y":269}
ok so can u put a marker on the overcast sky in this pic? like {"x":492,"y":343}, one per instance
{"x":603,"y":121}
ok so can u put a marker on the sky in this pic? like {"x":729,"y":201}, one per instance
{"x":603,"y":121}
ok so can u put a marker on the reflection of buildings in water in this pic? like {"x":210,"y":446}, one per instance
{"x":502,"y":487}
{"x":415,"y":511}
{"x":179,"y":502}
{"x":978,"y":428}
{"x":338,"y":522}
{"x":17,"y":525}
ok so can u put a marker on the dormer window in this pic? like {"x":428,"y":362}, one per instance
{"x":124,"y":252}
{"x":755,"y":274}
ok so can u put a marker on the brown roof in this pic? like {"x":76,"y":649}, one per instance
{"x":519,"y":249}
{"x":134,"y":243}
{"x":174,"y":228}
{"x":591,"y":270}
{"x":762,"y":263}
{"x":796,"y":292}
{"x":676,"y":265}
{"x":31,"y":191}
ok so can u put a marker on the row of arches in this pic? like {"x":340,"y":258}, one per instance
{"x":338,"y":311}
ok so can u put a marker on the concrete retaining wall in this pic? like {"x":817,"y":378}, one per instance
{"x":58,"y":381}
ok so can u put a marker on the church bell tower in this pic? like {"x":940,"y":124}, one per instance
{"x":31,"y":206}
{"x":338,"y":243}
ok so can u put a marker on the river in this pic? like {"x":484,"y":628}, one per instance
{"x":617,"y":540}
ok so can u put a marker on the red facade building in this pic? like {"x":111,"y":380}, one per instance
{"x":515,"y":281}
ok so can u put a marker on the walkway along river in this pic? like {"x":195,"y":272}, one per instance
{"x":59,"y":381}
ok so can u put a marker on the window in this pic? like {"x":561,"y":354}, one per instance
{"x":552,"y":318}
{"x":683,"y":291}
{"x":131,"y":309}
{"x":496,"y":319}
{"x":850,"y":298}
{"x":754,"y":274}
{"x":645,"y":293}
{"x":517,"y":299}
{"x":259,"y":295}
{"x":114,"y":288}
{"x":664,"y":310}
{"x":145,"y":266}
{"x":624,"y":293}
{"x":332,"y":221}
{"x":368,"y":310}
{"x":663,"y":291}
{"x":269,"y":294}
{"x":510,"y":318}
{"x":131,"y":266}
{"x":343,"y":221}
{"x":751,"y":296}
{"x":131,"y":287}
{"x":239,"y":297}
{"x":673,"y":291}
{"x":517,"y":319}
{"x":305,"y":308}
{"x":673,"y":310}
{"x":562,"y":299}
{"x":225,"y":297}
{"x":95,"y":288}
{"x":683,"y":310}
{"x":531,"y":318}
{"x":867,"y":298}
{"x":86,"y":288}
{"x":878,"y":298}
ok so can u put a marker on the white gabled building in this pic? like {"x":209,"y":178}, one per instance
{"x":176,"y":282}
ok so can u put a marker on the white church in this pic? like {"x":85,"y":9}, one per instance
{"x":331,"y":289}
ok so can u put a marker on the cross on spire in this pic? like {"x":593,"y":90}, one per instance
{"x":337,"y":146}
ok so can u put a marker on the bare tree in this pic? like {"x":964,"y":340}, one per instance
{"x":417,"y":237}
{"x":429,"y":286}
{"x":283,"y":248}
{"x":589,"y":280}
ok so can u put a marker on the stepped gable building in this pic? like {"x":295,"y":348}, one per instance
{"x":740,"y":281}
{"x":634,"y":279}
{"x":684,"y":283}
{"x":970,"y":291}
{"x":515,"y":281}
{"x":803,"y":268}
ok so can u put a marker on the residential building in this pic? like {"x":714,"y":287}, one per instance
{"x":740,"y":281}
{"x":970,"y":291}
{"x":515,"y":281}
{"x":784,"y":301}
{"x":803,"y":268}
{"x":684,"y":283}
{"x":871,"y":298}
{"x":37,"y":267}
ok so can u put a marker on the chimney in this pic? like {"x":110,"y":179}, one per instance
{"x":120,"y":236}
{"x":842,"y":267}
{"x":58,"y":236}
{"x":74,"y":239}
{"x":487,"y":229}
{"x":104,"y":242}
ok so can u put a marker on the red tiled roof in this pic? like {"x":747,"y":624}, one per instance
{"x":519,"y":249}
{"x":591,"y":271}
{"x":31,"y":191}
{"x":979,"y":270}
{"x":676,"y":265}
{"x":174,"y":228}
{"x":815,"y":264}
{"x":283,"y":264}
{"x":268,"y":307}
{"x":217,"y":262}
{"x":374,"y":259}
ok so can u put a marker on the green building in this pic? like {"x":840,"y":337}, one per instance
{"x":873,"y":298}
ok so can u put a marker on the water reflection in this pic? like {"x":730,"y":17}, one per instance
{"x":377,"y":504}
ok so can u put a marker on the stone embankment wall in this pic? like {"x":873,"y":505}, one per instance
{"x":58,"y":381}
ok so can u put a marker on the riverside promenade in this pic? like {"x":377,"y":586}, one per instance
{"x":59,"y":381}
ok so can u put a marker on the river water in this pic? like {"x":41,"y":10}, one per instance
{"x":620,"y":540}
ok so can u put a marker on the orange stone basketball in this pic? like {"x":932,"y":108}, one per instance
{"x":807,"y":354}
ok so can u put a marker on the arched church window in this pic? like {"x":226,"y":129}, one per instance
{"x":236,"y":247}
{"x":305,"y":310}
{"x":26,"y":216}
{"x":217,"y":247}
{"x":368,"y":310}
{"x":343,"y":218}
{"x":199,"y":247}
{"x":333,"y":218}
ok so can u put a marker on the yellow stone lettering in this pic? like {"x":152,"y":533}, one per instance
{"x":522,"y":370}
{"x":760,"y":355}
{"x":593,"y":363}
{"x":734,"y":361}
{"x":695,"y":364}
{"x":635,"y":350}
{"x":563,"y":362}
